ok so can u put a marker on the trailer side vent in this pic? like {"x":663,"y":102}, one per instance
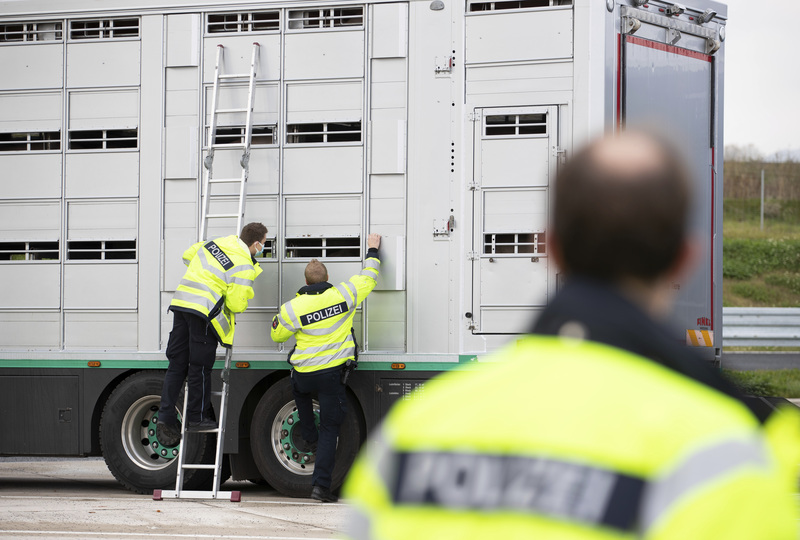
{"x":516,"y":125}
{"x":262,"y":135}
{"x":106,"y":250}
{"x":516,"y":4}
{"x":103,"y":139}
{"x":29,"y":251}
{"x":231,"y":23}
{"x":323,"y":248}
{"x":514,"y":243}
{"x":30,"y":141}
{"x":325,"y":133}
{"x":30,"y":31}
{"x":327,"y":18}
{"x":104,"y":29}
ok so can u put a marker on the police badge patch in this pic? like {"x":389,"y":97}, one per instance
{"x":275,"y":322}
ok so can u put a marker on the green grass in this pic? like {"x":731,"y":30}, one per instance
{"x":778,"y":383}
{"x":761,"y":268}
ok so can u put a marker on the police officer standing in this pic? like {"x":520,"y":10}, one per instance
{"x":321,"y":316}
{"x":217,"y":284}
{"x":599,"y":425}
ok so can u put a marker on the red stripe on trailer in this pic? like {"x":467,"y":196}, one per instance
{"x":668,"y":48}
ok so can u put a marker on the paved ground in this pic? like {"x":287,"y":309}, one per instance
{"x":78,"y":498}
{"x":741,"y":361}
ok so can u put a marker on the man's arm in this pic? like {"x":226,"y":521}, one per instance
{"x":367,"y":279}
{"x":282,"y":328}
{"x":190,"y":253}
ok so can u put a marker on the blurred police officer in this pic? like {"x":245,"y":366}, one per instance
{"x":321,"y":316}
{"x":217,"y":284}
{"x":600,"y":425}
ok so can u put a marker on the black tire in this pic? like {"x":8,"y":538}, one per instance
{"x":129,"y":445}
{"x":281,"y":468}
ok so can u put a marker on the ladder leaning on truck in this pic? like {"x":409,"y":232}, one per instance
{"x":441,"y":122}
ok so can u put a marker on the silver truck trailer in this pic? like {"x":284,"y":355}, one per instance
{"x":439,"y":124}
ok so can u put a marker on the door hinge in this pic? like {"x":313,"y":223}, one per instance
{"x":472,"y":255}
{"x":561,"y":156}
{"x":474,"y":116}
{"x":473,"y":185}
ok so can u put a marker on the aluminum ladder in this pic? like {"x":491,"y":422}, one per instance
{"x":209,"y":180}
{"x":214,"y":493}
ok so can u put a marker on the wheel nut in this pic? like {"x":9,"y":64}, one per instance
{"x":155,"y":444}
{"x":305,"y":458}
{"x":151,"y":432}
{"x":284,"y":433}
{"x":290,"y":420}
{"x":286,"y":446}
{"x":164,"y":452}
{"x":174,"y":451}
{"x":295,"y":456}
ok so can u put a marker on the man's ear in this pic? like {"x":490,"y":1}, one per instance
{"x":686,"y":261}
{"x":554,"y":248}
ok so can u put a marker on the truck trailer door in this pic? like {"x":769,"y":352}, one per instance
{"x":671,"y":88}
{"x":514,"y":162}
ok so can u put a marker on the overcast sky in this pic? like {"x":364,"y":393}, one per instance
{"x":762,"y":79}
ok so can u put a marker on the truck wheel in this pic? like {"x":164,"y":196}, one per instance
{"x":274,"y":442}
{"x":129,"y":444}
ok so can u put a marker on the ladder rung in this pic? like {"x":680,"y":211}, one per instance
{"x":220,"y":216}
{"x":216,"y":393}
{"x":224,"y":111}
{"x":199,"y":466}
{"x":161,"y":494}
{"x":230,"y":145}
{"x":235,"y":76}
{"x":224,"y":180}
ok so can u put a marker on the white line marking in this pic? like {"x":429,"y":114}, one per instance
{"x":150,"y":534}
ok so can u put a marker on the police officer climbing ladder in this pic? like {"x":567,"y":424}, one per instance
{"x":224,"y":260}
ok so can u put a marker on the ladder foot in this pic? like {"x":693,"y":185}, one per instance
{"x":156,"y":494}
{"x":236,"y":496}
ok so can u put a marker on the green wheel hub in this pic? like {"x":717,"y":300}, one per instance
{"x":291,"y":440}
{"x":164,"y":452}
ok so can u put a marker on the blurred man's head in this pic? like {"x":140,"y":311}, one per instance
{"x":621,"y":208}
{"x":315,"y":272}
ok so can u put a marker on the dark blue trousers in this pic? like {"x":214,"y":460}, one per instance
{"x":191,"y":350}
{"x":330,"y":392}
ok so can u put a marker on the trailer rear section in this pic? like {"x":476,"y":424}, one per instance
{"x":439,"y":125}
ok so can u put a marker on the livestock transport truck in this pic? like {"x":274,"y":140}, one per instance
{"x":439,"y":124}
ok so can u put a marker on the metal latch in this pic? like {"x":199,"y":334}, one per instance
{"x":443,"y":227}
{"x":444,"y":64}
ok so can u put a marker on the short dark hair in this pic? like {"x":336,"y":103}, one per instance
{"x":315,"y":272}
{"x":615,"y":218}
{"x":253,"y":232}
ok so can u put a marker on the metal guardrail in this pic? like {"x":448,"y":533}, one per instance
{"x":761,"y":327}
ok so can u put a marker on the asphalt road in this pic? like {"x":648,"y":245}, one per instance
{"x":742,"y":361}
{"x":78,"y":498}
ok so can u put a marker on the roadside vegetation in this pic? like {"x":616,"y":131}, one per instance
{"x":761,"y":267}
{"x":777,"y":383}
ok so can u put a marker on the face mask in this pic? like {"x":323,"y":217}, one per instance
{"x":260,"y":252}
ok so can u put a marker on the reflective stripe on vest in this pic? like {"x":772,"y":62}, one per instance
{"x":559,"y":489}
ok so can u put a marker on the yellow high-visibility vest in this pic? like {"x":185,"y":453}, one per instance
{"x":564,"y":439}
{"x":217,"y":284}
{"x":323,"y":322}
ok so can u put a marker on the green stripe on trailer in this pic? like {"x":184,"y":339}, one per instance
{"x":71,"y":363}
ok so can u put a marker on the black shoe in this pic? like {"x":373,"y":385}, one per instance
{"x":206,"y":424}
{"x":168,"y":434}
{"x":323,"y":494}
